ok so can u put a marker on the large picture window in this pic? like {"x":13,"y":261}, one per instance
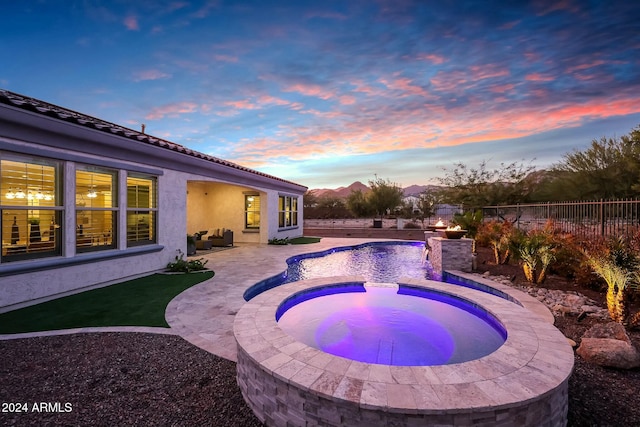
{"x":252,"y":211}
{"x":30,"y":207}
{"x":141,"y":210}
{"x":287,"y":211}
{"x":96,"y":209}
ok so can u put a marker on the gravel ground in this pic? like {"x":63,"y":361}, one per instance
{"x":118,"y":379}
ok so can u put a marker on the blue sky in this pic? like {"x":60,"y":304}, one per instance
{"x":327,"y":93}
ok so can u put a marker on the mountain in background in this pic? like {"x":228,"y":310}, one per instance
{"x":343,"y":192}
{"x":340,"y":192}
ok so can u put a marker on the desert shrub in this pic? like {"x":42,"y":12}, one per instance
{"x":498,"y":236}
{"x":412,"y":225}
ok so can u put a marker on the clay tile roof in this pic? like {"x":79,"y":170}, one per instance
{"x":44,"y":108}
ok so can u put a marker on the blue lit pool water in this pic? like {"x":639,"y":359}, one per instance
{"x":376,"y":261}
{"x":405,"y":326}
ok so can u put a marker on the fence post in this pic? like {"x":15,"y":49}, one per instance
{"x":518,"y":216}
{"x":601,"y":217}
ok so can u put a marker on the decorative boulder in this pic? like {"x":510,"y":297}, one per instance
{"x":609,"y":345}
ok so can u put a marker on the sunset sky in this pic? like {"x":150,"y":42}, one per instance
{"x":325,"y":93}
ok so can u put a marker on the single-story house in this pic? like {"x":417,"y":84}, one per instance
{"x":85,"y":202}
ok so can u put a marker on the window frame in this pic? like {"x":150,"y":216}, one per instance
{"x":82,"y":245}
{"x":135,"y":211}
{"x":254,"y":211}
{"x":32,"y":245}
{"x":287,"y":211}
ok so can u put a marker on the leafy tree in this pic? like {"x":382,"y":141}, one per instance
{"x":428,"y":202}
{"x":384,"y":195}
{"x":332,"y":207}
{"x":358,"y":204}
{"x":474,"y":188}
{"x":309,"y":200}
{"x":609,"y":168}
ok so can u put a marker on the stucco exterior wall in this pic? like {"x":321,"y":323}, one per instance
{"x":195,"y":192}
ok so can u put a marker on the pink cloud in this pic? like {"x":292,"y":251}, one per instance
{"x":150,"y":75}
{"x":479,"y":72}
{"x":338,"y":133}
{"x":449,"y":81}
{"x":433,"y":58}
{"x":347,"y":100}
{"x":172,"y":110}
{"x":310,"y":90}
{"x":131,"y":22}
{"x":407,"y":87}
{"x":537,"y":77}
{"x":502,"y":88}
{"x":244,"y":104}
{"x":581,"y":67}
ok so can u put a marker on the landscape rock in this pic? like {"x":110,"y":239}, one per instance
{"x":609,"y":352}
{"x":611,"y":330}
{"x":559,"y":302}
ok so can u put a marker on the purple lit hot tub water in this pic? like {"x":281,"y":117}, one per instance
{"x":390,"y":324}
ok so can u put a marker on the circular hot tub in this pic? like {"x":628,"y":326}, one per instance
{"x":389,"y":324}
{"x":289,"y":382}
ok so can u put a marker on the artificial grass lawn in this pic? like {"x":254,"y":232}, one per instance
{"x":304,"y":240}
{"x":137,"y":302}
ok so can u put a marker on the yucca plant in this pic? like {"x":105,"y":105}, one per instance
{"x":617,"y":265}
{"x":617,"y":279}
{"x":536,"y":251}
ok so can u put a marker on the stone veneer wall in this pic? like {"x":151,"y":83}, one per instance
{"x":277,"y":403}
{"x":450,"y":254}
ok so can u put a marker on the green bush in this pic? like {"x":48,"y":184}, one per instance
{"x":180,"y":265}
{"x":281,"y":242}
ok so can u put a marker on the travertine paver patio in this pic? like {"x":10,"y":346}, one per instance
{"x":204,"y":314}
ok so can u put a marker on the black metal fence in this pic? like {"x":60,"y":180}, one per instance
{"x":592,"y":218}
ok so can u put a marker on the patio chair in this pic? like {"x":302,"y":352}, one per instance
{"x":221,"y":237}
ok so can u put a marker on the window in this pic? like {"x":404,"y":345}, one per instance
{"x":287,"y":211}
{"x":30,"y":207}
{"x":141,"y":210}
{"x":251,"y":211}
{"x":96,"y":209}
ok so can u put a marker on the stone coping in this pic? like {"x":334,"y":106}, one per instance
{"x":527,"y":301}
{"x":534,"y":360}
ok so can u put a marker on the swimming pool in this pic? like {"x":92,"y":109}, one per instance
{"x":383,"y":262}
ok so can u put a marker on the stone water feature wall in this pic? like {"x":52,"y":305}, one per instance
{"x":449,"y":254}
